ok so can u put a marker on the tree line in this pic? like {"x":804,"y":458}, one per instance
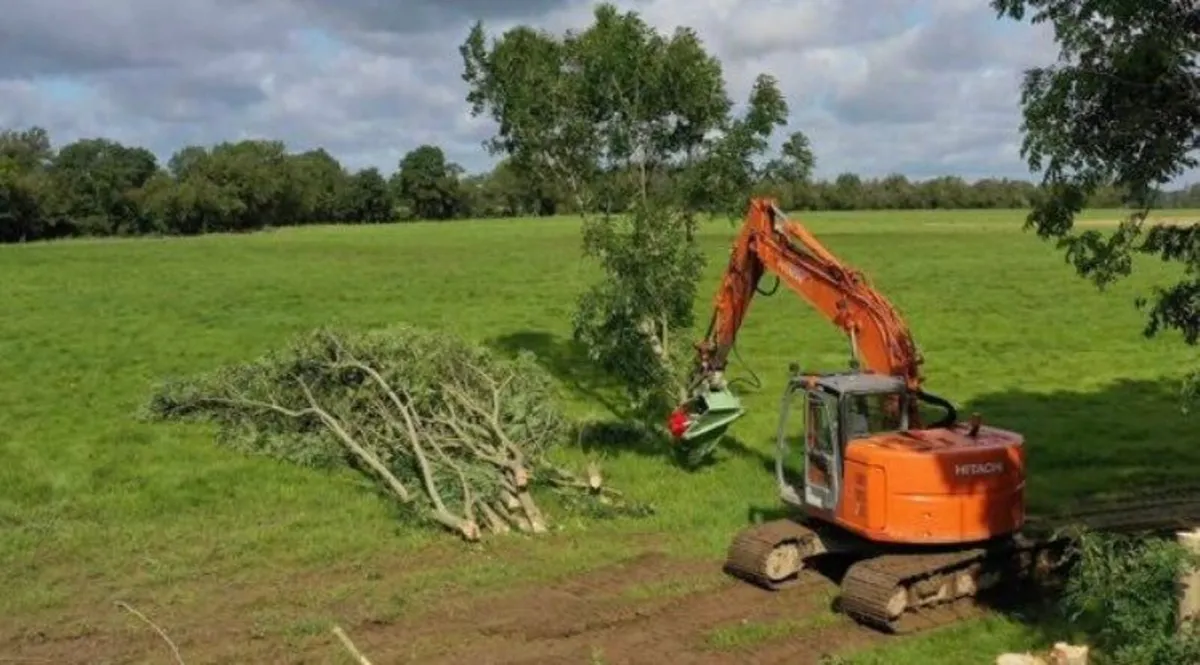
{"x":99,"y":187}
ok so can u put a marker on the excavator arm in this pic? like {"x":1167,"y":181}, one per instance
{"x":879,"y":338}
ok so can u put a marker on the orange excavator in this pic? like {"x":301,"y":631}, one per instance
{"x":930,"y":514}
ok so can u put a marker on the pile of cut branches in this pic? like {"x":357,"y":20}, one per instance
{"x":454,"y":432}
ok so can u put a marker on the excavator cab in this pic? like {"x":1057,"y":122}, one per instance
{"x":836,"y":409}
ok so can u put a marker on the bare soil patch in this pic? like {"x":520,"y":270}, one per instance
{"x":651,"y":609}
{"x":613,"y":615}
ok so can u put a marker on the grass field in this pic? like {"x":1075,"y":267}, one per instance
{"x":249,"y":560}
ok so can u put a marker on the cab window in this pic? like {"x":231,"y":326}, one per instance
{"x":871,"y":414}
{"x":820,"y":417}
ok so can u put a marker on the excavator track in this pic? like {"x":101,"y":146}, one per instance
{"x":770,"y":555}
{"x":904,"y":593}
{"x":885,"y":592}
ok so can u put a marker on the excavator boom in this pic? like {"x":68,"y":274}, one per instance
{"x":769,"y":241}
{"x":879,"y":338}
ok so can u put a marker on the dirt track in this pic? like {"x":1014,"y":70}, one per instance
{"x":651,"y":609}
{"x":708,"y":618}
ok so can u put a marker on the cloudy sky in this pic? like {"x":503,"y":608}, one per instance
{"x":921,"y":87}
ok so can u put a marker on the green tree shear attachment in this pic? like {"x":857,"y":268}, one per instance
{"x":698,"y":430}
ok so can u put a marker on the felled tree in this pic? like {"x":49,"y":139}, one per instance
{"x":453,"y":432}
{"x":1120,"y":109}
{"x":638,"y":128}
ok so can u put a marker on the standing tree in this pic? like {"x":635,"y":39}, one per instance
{"x":428,"y":184}
{"x":796,"y":160}
{"x":98,"y":179}
{"x":1121,"y":109}
{"x":622,"y":118}
{"x":26,"y":188}
{"x":26,"y":150}
{"x":788,"y":177}
{"x":367,"y":198}
{"x":323,"y":186}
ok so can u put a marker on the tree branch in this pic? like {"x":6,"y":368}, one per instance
{"x":161,"y":633}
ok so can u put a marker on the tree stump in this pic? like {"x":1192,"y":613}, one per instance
{"x":1189,"y":581}
{"x":1068,"y":654}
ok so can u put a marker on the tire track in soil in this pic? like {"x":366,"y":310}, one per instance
{"x":592,"y":614}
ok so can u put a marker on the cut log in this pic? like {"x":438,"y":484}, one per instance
{"x":1068,"y":654}
{"x":1189,"y":581}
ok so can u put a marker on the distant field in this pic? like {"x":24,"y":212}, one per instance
{"x":248,"y":560}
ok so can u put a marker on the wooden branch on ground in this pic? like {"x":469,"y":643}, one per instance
{"x":161,"y":633}
{"x":353,"y":445}
{"x":449,"y":431}
{"x":349,"y":645}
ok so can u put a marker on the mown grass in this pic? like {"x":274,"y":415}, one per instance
{"x":93,"y":502}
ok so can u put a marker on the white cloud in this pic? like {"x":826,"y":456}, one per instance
{"x":923,"y":87}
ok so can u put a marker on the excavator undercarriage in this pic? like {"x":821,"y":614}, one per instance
{"x":907,"y":590}
{"x":894,"y":591}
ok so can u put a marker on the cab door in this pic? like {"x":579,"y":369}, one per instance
{"x":822,"y":456}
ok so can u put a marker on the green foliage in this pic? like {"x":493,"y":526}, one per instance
{"x":324,"y":187}
{"x":628,"y":320}
{"x":26,"y":150}
{"x":1120,"y":109}
{"x":368,"y":198}
{"x":21,"y":202}
{"x":99,"y":179}
{"x":724,"y":178}
{"x":599,"y":113}
{"x":626,"y":119}
{"x":92,"y":501}
{"x":1121,"y":593}
{"x":795,"y":163}
{"x":417,"y":361}
{"x":439,"y":413}
{"x":98,"y":187}
{"x":187,"y":195}
{"x":428,"y":185}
